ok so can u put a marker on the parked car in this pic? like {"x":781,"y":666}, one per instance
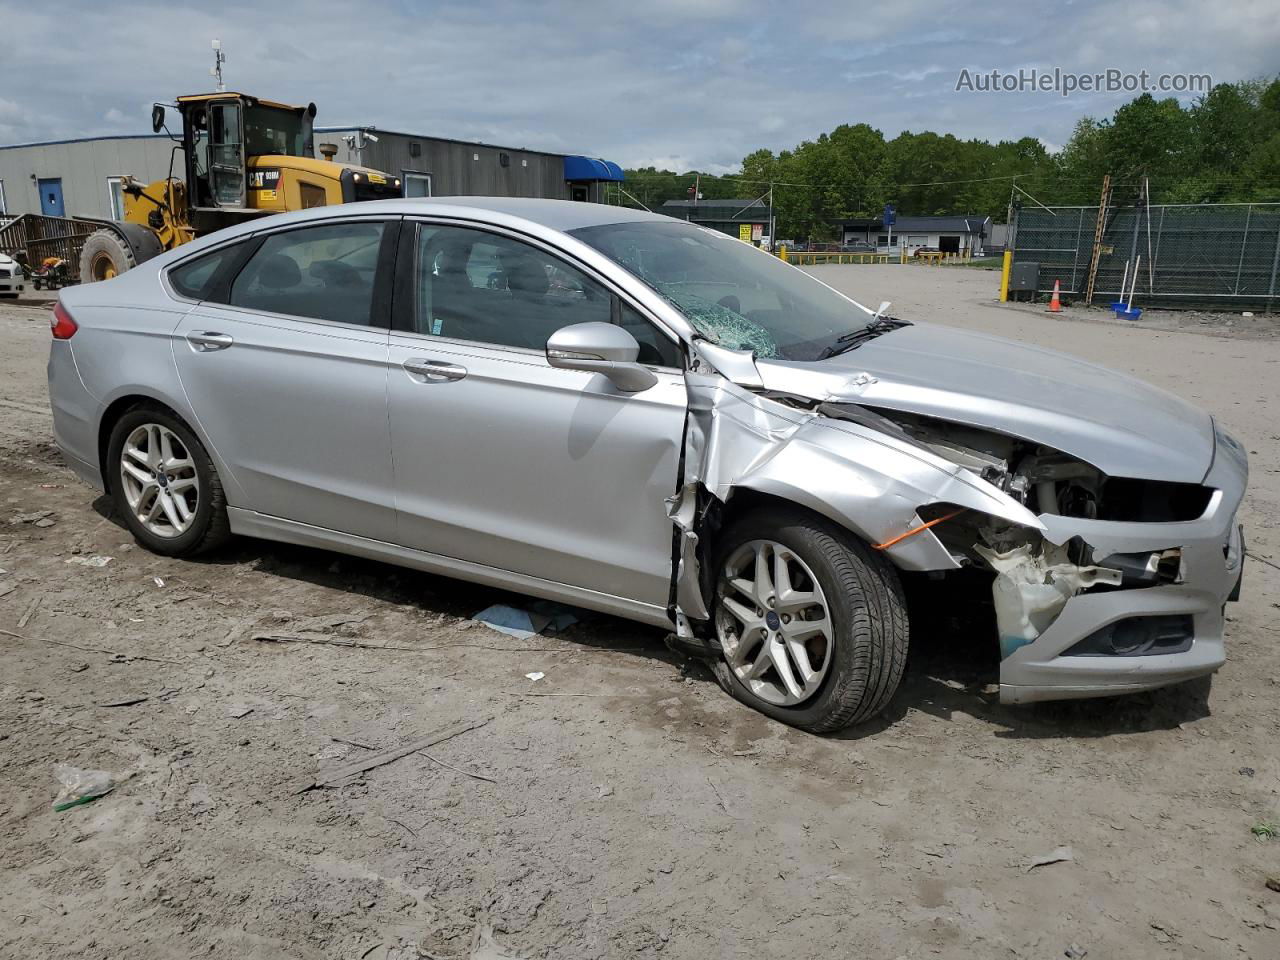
{"x":656,"y":421}
{"x":12,"y":279}
{"x":858,"y":246}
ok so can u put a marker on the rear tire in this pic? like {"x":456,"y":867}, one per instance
{"x":105,"y":255}
{"x":853,"y":665}
{"x":164,"y":484}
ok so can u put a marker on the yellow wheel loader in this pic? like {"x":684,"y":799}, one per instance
{"x":243,"y":157}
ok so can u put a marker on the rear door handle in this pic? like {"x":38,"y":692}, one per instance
{"x":206,"y":340}
{"x":434,"y":371}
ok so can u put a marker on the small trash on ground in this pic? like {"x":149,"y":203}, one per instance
{"x":30,"y":612}
{"x":604,"y":790}
{"x":80,"y":786}
{"x":541,"y":616}
{"x":79,"y":667}
{"x":157,"y":581}
{"x":37,"y":518}
{"x":1273,"y":884}
{"x":126,"y":701}
{"x":94,"y":561}
{"x":238,"y":711}
{"x":1061,"y":855}
{"x":536,"y":675}
{"x":1074,"y":951}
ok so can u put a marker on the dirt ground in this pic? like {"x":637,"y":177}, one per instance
{"x":623,"y":805}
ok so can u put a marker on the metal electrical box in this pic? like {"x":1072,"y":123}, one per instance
{"x":1024,"y":276}
{"x":1024,"y":279}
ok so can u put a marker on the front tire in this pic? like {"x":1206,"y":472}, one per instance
{"x":164,"y":484}
{"x":105,"y":255}
{"x":812,"y":621}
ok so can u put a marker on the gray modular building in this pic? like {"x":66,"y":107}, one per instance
{"x":962,"y":234}
{"x":82,"y":177}
{"x":745,"y":219}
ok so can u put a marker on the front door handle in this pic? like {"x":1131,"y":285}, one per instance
{"x":206,"y":340}
{"x":434,"y":371}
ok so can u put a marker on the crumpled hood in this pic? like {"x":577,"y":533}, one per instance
{"x":1124,"y":427}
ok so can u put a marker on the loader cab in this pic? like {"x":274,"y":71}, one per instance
{"x":221,"y":132}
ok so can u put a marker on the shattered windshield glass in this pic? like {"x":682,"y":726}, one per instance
{"x":732,"y":294}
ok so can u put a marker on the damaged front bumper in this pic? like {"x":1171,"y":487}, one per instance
{"x":1062,"y":662}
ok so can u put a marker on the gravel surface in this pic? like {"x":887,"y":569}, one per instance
{"x":622,"y":805}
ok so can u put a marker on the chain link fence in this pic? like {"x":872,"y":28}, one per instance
{"x":1224,"y":256}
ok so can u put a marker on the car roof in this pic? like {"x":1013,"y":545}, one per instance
{"x":559,"y":215}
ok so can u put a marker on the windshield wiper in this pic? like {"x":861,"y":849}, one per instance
{"x":856,"y":338}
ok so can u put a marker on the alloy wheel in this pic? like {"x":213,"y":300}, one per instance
{"x":774,"y":623}
{"x":159,"y":480}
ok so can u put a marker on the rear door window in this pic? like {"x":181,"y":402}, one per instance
{"x":323,"y":272}
{"x":195,"y":279}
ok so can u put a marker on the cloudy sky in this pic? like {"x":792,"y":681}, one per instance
{"x":673,"y":83}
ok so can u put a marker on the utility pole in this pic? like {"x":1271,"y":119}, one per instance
{"x":773,"y":240}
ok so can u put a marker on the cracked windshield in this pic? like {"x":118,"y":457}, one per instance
{"x":730,"y":293}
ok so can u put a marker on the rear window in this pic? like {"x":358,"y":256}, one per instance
{"x":194,"y":279}
{"x":322,"y":272}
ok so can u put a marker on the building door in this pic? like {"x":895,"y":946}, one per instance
{"x":51,"y":197}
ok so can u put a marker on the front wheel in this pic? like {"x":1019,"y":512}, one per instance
{"x":812,"y":621}
{"x":165,"y":485}
{"x":105,"y":255}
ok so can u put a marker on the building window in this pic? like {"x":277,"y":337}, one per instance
{"x":882,"y":240}
{"x":416,"y":184}
{"x":115,"y":197}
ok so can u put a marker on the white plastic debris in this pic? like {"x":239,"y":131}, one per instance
{"x":158,"y":581}
{"x":1030,"y":589}
{"x":536,"y":675}
{"x":541,"y":616}
{"x":1060,"y":855}
{"x":90,"y":561}
{"x":80,"y":786}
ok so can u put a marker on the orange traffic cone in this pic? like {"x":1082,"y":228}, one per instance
{"x":1055,"y":305}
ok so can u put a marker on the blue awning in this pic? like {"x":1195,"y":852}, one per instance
{"x":591,"y":168}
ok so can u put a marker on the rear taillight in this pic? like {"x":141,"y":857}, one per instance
{"x":63,"y":327}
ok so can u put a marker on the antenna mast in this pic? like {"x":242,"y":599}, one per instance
{"x":219,"y":58}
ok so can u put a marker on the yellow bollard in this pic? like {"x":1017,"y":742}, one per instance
{"x":782,"y":253}
{"x":1004,"y":276}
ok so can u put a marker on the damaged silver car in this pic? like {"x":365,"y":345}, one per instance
{"x":641,"y":416}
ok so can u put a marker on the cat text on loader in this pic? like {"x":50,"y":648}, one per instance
{"x":242,"y":157}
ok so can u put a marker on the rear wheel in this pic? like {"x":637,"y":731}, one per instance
{"x":812,"y":621}
{"x":103,"y":256}
{"x":165,"y":485}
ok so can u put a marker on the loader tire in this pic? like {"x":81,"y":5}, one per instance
{"x":105,"y":255}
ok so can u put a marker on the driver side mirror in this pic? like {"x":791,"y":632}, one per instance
{"x":157,"y":118}
{"x":600,"y":348}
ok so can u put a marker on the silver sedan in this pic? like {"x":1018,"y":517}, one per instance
{"x":637,"y":415}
